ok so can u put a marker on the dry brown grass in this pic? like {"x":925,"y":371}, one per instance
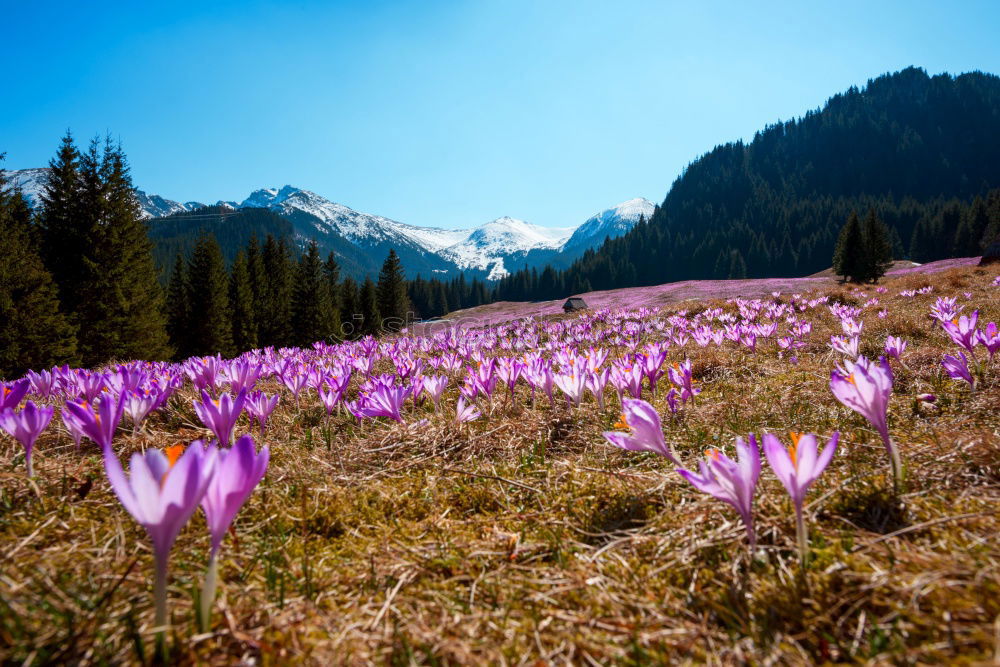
{"x":525,"y":539}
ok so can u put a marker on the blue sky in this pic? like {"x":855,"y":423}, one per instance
{"x":448,"y":113}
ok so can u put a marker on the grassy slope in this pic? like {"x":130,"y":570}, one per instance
{"x":525,"y":536}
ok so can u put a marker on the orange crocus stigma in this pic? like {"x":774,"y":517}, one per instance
{"x":712,"y":453}
{"x":622,"y":422}
{"x":793,"y":451}
{"x":173,"y":453}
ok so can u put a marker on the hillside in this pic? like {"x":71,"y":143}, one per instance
{"x":670,"y":294}
{"x":401,"y":533}
{"x":910,"y":145}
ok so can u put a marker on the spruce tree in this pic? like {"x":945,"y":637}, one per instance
{"x":393,"y":304}
{"x":351,"y":322}
{"x":275,"y":317}
{"x":255,"y":270}
{"x":849,"y":255}
{"x":61,"y":234}
{"x":331,"y":273}
{"x":241,"y":300}
{"x":34,"y":333}
{"x":210,"y":326}
{"x":878,"y":247}
{"x":178,"y":309}
{"x":371,"y":318}
{"x":120,"y":308}
{"x":311,"y":312}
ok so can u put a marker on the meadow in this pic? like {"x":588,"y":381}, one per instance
{"x":508,"y":492}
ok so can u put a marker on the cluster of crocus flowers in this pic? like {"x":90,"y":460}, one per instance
{"x":161,"y":492}
{"x":164,"y":488}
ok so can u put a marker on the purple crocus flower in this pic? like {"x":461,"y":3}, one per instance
{"x":797,"y":468}
{"x":680,"y":375}
{"x":573,"y":385}
{"x":733,"y":482}
{"x":161,"y":492}
{"x":138,"y":405}
{"x":220,"y":416}
{"x":466,"y":412}
{"x":989,"y":336}
{"x":99,"y":425}
{"x":385,"y":401}
{"x":12,"y":393}
{"x":434,"y":385}
{"x":25,"y":427}
{"x":645,"y":430}
{"x":895,"y":346}
{"x":238,"y":472}
{"x":962,"y":331}
{"x":957,"y":368}
{"x":260,"y":406}
{"x":866,"y":389}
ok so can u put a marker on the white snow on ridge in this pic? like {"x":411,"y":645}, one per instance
{"x":486,"y":247}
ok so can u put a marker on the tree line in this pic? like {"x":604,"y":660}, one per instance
{"x":79,"y":282}
{"x":918,"y":149}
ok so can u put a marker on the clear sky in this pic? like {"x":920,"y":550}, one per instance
{"x":448,"y":113}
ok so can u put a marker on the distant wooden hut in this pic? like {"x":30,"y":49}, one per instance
{"x":574,"y":304}
{"x":992,"y":254}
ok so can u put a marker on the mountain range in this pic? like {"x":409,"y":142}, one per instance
{"x":362,"y":240}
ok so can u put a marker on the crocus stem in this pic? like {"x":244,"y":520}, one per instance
{"x":160,"y":600}
{"x":897,"y":464}
{"x":31,"y":468}
{"x":800,"y":534}
{"x":208,"y":592}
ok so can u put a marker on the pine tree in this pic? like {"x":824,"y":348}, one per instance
{"x":120,"y":309}
{"x":275,"y":316}
{"x":849,"y":255}
{"x":210,"y":328}
{"x":60,"y":232}
{"x":255,"y":270}
{"x":34,"y":333}
{"x":393,"y":304}
{"x":241,"y":301}
{"x":737,"y":265}
{"x":178,"y":309}
{"x":371,"y":318}
{"x":878,"y":247}
{"x":331,"y":273}
{"x":311,"y":312}
{"x":351,"y":323}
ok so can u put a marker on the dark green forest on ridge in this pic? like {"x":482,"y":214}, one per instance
{"x":918,"y":149}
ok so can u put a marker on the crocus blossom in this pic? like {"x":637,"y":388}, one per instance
{"x":237,"y":473}
{"x":866,"y":389}
{"x":220,"y":415}
{"x":25,"y":427}
{"x":100,"y":423}
{"x":730,"y":481}
{"x":161,"y":492}
{"x":645,"y":432}
{"x":957,"y":368}
{"x":466,"y":412}
{"x":797,"y":468}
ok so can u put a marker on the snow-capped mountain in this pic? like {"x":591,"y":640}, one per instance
{"x":490,"y":250}
{"x":612,"y":222}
